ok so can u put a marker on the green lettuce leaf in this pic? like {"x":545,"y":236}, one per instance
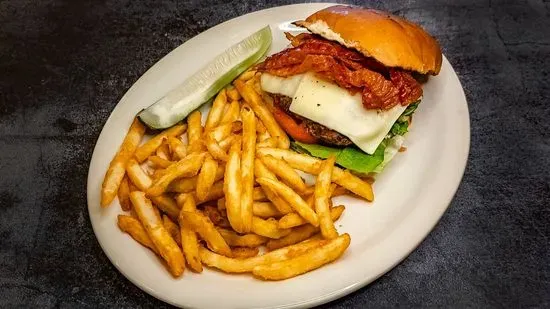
{"x":351,"y":158}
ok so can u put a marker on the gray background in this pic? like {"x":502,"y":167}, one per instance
{"x":65,"y":64}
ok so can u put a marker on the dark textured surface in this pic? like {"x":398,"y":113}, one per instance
{"x":65,"y":64}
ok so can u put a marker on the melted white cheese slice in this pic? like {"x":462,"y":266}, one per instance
{"x":335,"y":108}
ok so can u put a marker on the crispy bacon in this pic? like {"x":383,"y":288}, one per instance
{"x":381,"y":88}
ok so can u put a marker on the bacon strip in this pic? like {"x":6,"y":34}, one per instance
{"x":380,"y":87}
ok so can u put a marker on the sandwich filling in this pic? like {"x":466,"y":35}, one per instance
{"x":340,"y":102}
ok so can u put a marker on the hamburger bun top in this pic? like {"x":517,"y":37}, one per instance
{"x":391,"y":40}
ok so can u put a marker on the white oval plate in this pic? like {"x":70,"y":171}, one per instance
{"x":411,"y":194}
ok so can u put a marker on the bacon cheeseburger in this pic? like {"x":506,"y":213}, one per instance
{"x":350,"y":86}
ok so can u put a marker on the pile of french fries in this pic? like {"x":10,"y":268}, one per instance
{"x":227,"y":195}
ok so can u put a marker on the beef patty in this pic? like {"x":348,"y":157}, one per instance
{"x":324,"y":134}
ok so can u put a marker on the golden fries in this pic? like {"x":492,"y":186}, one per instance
{"x":311,"y":165}
{"x":167,"y":205}
{"x":244,"y":252}
{"x":232,"y":93}
{"x":204,"y":227}
{"x":268,"y":228}
{"x":255,"y":102}
{"x":247,"y":166}
{"x":284,"y":172}
{"x":163,"y":151}
{"x":293,"y":219}
{"x":262,"y":171}
{"x":178,"y":149}
{"x":301,"y":233}
{"x":306,"y":262}
{"x":145,"y":150}
{"x":232,"y":186}
{"x":322,"y":196}
{"x":295,"y":200}
{"x":248,"y":240}
{"x":215,"y":114}
{"x":172,"y":228}
{"x":133,"y":227}
{"x":194,"y":132}
{"x":230,"y":265}
{"x":231,"y":113}
{"x":206,"y":177}
{"x":190,"y":244}
{"x":216,"y":192}
{"x":159,"y":162}
{"x":117,"y":167}
{"x":166,"y":246}
{"x":124,"y":194}
{"x":137,"y":176}
{"x":214,"y":148}
{"x":185,"y":185}
{"x":186,"y":167}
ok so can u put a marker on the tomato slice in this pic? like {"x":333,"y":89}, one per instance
{"x":296,"y":130}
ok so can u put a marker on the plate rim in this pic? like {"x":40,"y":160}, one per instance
{"x":324,"y":298}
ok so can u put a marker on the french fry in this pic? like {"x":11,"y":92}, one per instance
{"x":137,"y":176}
{"x":205,"y":228}
{"x":295,"y":200}
{"x":258,"y":195}
{"x":164,"y":151}
{"x":293,"y":219}
{"x":216,"y":192}
{"x":232,"y":186}
{"x":232,"y":93}
{"x":117,"y":167}
{"x":260,"y":128}
{"x":145,"y":150}
{"x":255,"y":102}
{"x":167,"y":205}
{"x":322,"y":197}
{"x":160,"y":162}
{"x":222,"y":131}
{"x":302,"y":233}
{"x":270,"y":142}
{"x":248,"y":240}
{"x":172,"y":228}
{"x":247,"y":75}
{"x":230,"y":265}
{"x":214,"y":148}
{"x":263,"y":210}
{"x":124,"y":194}
{"x":186,"y":167}
{"x":268,"y":228}
{"x":311,"y":165}
{"x":190,"y":244}
{"x":133,"y":227}
{"x":186,"y":185}
{"x":164,"y":243}
{"x":194,"y":133}
{"x":215,"y":114}
{"x":177,"y":147}
{"x":206,"y":177}
{"x":231,"y":113}
{"x":312,"y":259}
{"x":262,"y":171}
{"x":226,"y":142}
{"x":247,"y":166}
{"x":285,"y":173}
{"x":338,"y":190}
{"x":244,"y":252}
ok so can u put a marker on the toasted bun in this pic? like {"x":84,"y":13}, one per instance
{"x":391,"y":40}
